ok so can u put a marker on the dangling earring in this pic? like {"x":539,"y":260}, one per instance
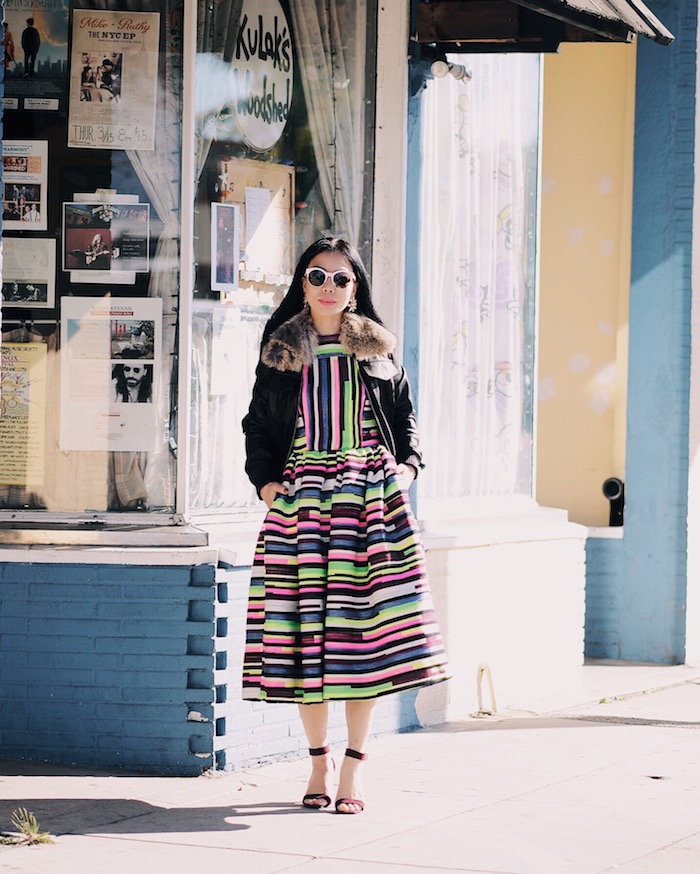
{"x":352,"y":306}
{"x":306,"y":303}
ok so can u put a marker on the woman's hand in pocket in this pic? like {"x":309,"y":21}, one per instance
{"x":270,"y":491}
{"x":405,"y":474}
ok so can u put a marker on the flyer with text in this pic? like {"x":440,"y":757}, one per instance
{"x":22,"y":413}
{"x":24,"y":183}
{"x":113,"y":80}
{"x":109,"y":371}
{"x":29,"y":272}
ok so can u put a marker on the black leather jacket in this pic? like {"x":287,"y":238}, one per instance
{"x":270,"y":423}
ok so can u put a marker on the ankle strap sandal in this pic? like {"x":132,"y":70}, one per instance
{"x":311,"y":797}
{"x":356,"y":802}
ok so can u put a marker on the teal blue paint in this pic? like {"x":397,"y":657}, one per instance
{"x":411,"y":334}
{"x":636,"y":587}
{"x":418,"y":72}
{"x":408,"y":714}
{"x":95,"y":663}
{"x":604,"y":569}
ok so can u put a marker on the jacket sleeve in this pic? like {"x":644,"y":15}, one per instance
{"x":404,"y":425}
{"x":259,"y":446}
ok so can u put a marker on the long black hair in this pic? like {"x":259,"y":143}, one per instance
{"x":145,"y":386}
{"x":293,"y":302}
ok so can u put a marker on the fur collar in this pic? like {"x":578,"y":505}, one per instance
{"x":293,"y":344}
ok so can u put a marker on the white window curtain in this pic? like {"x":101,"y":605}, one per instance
{"x":225,"y":346}
{"x":480,"y":141}
{"x":331,"y":42}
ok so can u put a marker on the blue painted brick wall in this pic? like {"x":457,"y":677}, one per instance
{"x":636,"y":587}
{"x":104,"y":666}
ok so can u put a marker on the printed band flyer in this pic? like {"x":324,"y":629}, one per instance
{"x":113,"y":80}
{"x":28,"y":272}
{"x":22,"y":413}
{"x":24,"y":175}
{"x":106,"y":237}
{"x":109,"y":368}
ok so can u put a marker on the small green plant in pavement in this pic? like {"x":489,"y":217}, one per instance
{"x":28,"y":831}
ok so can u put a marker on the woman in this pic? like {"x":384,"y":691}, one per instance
{"x":8,"y":43}
{"x":339,"y":605}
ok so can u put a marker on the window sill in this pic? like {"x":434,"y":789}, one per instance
{"x":26,"y":538}
{"x":472,"y":531}
{"x":158,"y":556}
{"x":616,"y":532}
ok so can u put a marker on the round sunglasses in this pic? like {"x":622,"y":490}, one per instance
{"x":317,"y":277}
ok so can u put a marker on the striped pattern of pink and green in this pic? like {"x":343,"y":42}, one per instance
{"x":339,"y":604}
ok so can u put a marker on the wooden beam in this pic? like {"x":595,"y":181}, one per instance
{"x":474,"y":20}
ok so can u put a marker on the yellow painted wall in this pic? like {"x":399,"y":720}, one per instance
{"x":586,"y":220}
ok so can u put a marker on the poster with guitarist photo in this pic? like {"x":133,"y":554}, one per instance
{"x":106,"y":238}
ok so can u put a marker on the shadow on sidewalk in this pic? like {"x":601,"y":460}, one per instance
{"x":118,"y":816}
{"x":504,"y":722}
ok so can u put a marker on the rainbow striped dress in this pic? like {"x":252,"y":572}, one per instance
{"x":339,"y":605}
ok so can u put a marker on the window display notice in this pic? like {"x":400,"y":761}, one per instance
{"x":29,"y":272}
{"x":105,"y":238}
{"x":225,"y":243}
{"x":24,"y":175}
{"x":267,"y":233}
{"x":22,"y":413}
{"x":109,"y":362}
{"x":113,"y":80}
{"x":264,"y":195}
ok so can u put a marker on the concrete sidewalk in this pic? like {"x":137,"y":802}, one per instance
{"x":598,"y":787}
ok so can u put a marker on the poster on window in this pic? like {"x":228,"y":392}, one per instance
{"x":22,"y":413}
{"x":29,"y":272}
{"x":36,"y":54}
{"x":113,"y":80}
{"x":24,"y":175}
{"x":225,"y":246}
{"x":109,"y":364}
{"x":267,"y":233}
{"x":108,"y":238}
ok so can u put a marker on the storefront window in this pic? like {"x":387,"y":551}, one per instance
{"x":91,"y":233}
{"x":284,"y":132}
{"x":478,"y":260}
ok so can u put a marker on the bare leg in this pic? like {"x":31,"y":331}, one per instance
{"x":358,"y":715}
{"x":314,"y":718}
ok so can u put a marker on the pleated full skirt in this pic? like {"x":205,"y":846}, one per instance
{"x":339,"y":605}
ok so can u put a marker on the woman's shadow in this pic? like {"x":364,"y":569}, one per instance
{"x":122,"y":816}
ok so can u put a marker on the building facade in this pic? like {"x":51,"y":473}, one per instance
{"x":179,"y":157}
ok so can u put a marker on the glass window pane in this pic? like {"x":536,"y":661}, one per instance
{"x":91,"y":228}
{"x":283,"y":143}
{"x":478,"y":278}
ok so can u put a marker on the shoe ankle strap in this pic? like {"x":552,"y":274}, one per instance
{"x":354,"y":754}
{"x":319,"y":751}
